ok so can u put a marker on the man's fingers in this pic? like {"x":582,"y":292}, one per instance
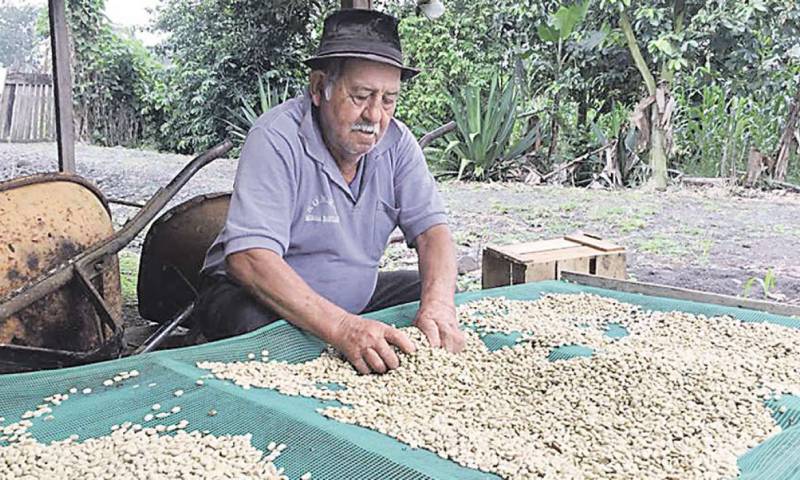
{"x":447,"y":337}
{"x":453,"y":338}
{"x":387,"y":355}
{"x":374,"y":361}
{"x":360,"y":365}
{"x":461,"y":340}
{"x":431,"y":330}
{"x":400,"y":339}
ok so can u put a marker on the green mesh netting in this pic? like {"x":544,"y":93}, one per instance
{"x":325,"y":447}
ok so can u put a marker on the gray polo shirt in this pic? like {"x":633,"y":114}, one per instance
{"x":290,"y":197}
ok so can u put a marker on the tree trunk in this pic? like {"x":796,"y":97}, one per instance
{"x":754,"y":167}
{"x":787,"y":139}
{"x":658,"y":135}
{"x":553,"y":130}
{"x":583,"y":112}
{"x":658,"y":151}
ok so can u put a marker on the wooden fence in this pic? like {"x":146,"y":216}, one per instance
{"x":27,"y":108}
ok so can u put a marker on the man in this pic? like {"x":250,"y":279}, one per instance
{"x":323,"y":180}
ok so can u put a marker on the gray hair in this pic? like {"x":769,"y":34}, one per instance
{"x":333,"y":70}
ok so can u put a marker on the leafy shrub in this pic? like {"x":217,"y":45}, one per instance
{"x":461,"y":48}
{"x":218,"y":49}
{"x":716,"y":128}
{"x":247,"y":114}
{"x":485,"y":125}
{"x":113,"y":79}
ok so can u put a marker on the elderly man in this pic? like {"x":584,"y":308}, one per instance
{"x":323,"y":179}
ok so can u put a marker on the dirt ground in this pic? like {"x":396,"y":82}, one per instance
{"x":708,"y":239}
{"x":711,"y":239}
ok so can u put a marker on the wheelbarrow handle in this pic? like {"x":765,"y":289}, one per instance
{"x":85,"y":261}
{"x":157,"y":202}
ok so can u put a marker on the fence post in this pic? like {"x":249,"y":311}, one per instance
{"x":62,"y":86}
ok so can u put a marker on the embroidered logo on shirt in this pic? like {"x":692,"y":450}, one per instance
{"x":322,"y":209}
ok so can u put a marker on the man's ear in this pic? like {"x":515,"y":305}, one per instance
{"x":317,"y":86}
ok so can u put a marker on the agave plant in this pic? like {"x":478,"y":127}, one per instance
{"x":485,"y":126}
{"x":247,"y":113}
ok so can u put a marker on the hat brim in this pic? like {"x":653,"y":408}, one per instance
{"x":406,"y":73}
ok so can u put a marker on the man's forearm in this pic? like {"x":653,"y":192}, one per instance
{"x":274,"y":283}
{"x":437,"y":265}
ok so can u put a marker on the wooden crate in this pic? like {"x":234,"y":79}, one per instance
{"x":546,"y":259}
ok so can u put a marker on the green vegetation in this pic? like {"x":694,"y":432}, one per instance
{"x":483,"y":146}
{"x":768,"y":284}
{"x":532,"y":85}
{"x":129,"y":272}
{"x":115,"y":78}
{"x":248,"y":113}
{"x":661,"y":244}
{"x":18,"y":37}
{"x":623,"y":219}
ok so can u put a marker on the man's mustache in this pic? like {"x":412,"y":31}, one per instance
{"x":365,"y":127}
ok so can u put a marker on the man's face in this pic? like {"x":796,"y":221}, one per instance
{"x":360,"y":105}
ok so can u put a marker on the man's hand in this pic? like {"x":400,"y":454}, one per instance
{"x":367,"y":344}
{"x":438,"y":322}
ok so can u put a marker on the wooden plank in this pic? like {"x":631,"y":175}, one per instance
{"x":27,"y":118}
{"x":35,"y":113}
{"x":680,"y":294}
{"x":62,"y":83}
{"x":5,"y":111}
{"x":517,"y":273}
{"x":580,"y":265}
{"x":13,"y":111}
{"x":49,"y":125}
{"x":538,"y":272}
{"x":42,"y":104}
{"x":591,"y":241}
{"x":558,"y":255}
{"x":43,"y":124}
{"x":4,"y":91}
{"x":495,"y":270}
{"x":29,"y":113}
{"x":45,"y":112}
{"x":18,"y":113}
{"x":611,"y":266}
{"x":514,"y":251}
{"x":28,"y":78}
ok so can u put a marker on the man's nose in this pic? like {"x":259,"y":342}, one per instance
{"x":372,"y":112}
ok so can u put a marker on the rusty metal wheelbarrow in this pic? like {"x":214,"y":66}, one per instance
{"x":60,"y":301}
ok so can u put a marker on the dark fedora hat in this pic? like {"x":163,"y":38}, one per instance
{"x":361,"y":33}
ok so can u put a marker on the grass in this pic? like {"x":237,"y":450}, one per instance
{"x":128,"y":272}
{"x":693,"y":231}
{"x":569,"y":206}
{"x":624,"y":219}
{"x":631,"y":224}
{"x":768,"y":284}
{"x":660,"y":244}
{"x":781,"y":229}
{"x":705,"y":245}
{"x":466,"y":237}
